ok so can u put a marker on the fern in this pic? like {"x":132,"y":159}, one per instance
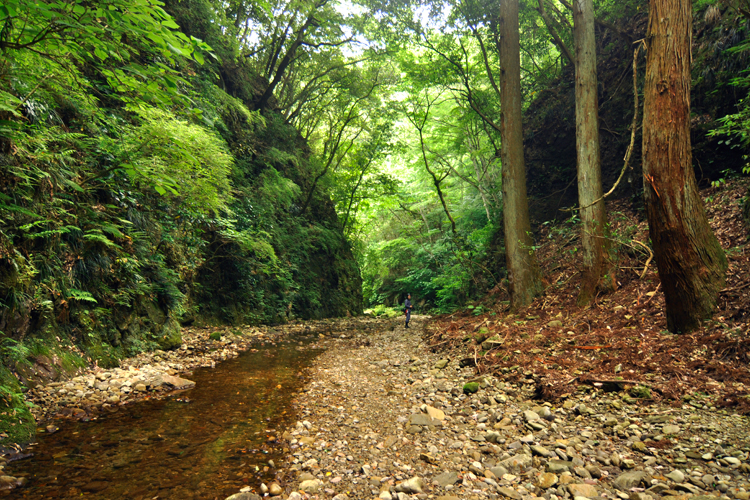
{"x":80,"y":295}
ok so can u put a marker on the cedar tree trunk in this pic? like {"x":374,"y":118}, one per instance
{"x":523,"y":270}
{"x":690,"y":260}
{"x":596,"y":271}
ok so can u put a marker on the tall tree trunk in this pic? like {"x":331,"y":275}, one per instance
{"x":523,"y":270}
{"x":691,"y":263}
{"x":593,"y":216}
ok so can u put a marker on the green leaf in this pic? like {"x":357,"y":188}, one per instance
{"x":177,"y":50}
{"x":81,"y":295}
{"x":113,"y":230}
{"x":10,"y":103}
{"x":98,"y":52}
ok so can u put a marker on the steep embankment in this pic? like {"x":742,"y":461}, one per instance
{"x":141,"y":189}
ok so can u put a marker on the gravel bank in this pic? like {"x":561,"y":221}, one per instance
{"x":384,"y":418}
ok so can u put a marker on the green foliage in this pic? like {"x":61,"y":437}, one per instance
{"x":135,"y":191}
{"x":15,"y":418}
{"x":734,"y":129}
{"x":111,"y":35}
{"x":382,"y":310}
{"x":175,"y":156}
{"x":16,"y":421}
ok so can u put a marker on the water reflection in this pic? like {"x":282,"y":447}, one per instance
{"x":204,"y":443}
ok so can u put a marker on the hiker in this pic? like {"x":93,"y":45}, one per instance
{"x":407,"y":309}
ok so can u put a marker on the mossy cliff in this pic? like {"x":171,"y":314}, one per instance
{"x":141,"y":193}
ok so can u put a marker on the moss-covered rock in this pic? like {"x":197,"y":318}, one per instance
{"x":169,"y":335}
{"x":471,"y":387}
{"x":17,"y":425}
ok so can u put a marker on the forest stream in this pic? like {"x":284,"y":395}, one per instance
{"x":206,"y":442}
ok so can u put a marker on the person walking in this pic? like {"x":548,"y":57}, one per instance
{"x":407,"y":309}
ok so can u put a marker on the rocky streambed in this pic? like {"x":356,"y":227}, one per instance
{"x":384,"y":418}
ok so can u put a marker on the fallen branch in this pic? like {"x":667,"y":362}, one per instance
{"x":620,"y":383}
{"x":650,"y":257}
{"x":654,"y":295}
{"x":735,"y":289}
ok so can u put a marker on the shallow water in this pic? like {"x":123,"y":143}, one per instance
{"x":204,"y":443}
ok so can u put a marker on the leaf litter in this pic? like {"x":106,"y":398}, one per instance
{"x":620,"y":342}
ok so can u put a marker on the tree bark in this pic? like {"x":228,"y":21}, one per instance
{"x":593,"y":215}
{"x":523,"y":270}
{"x":691,"y":262}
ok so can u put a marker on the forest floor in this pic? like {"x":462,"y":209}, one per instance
{"x":597,"y":402}
{"x":621,"y":341}
{"x":552,"y":402}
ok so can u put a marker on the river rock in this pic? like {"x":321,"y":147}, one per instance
{"x":541,"y":451}
{"x":421,"y":419}
{"x":275,"y":489}
{"x":510,"y":493}
{"x":412,"y":485}
{"x":516,"y":462}
{"x":498,"y":471}
{"x":629,"y":480}
{"x":676,"y":476}
{"x":670,"y":429}
{"x":492,"y":342}
{"x":311,"y":485}
{"x":9,"y":482}
{"x":582,"y":490}
{"x":530,"y":416}
{"x":547,"y":480}
{"x":446,"y":478}
{"x":558,"y":466}
{"x":441,"y":364}
{"x":178,"y":382}
{"x":435,"y":414}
